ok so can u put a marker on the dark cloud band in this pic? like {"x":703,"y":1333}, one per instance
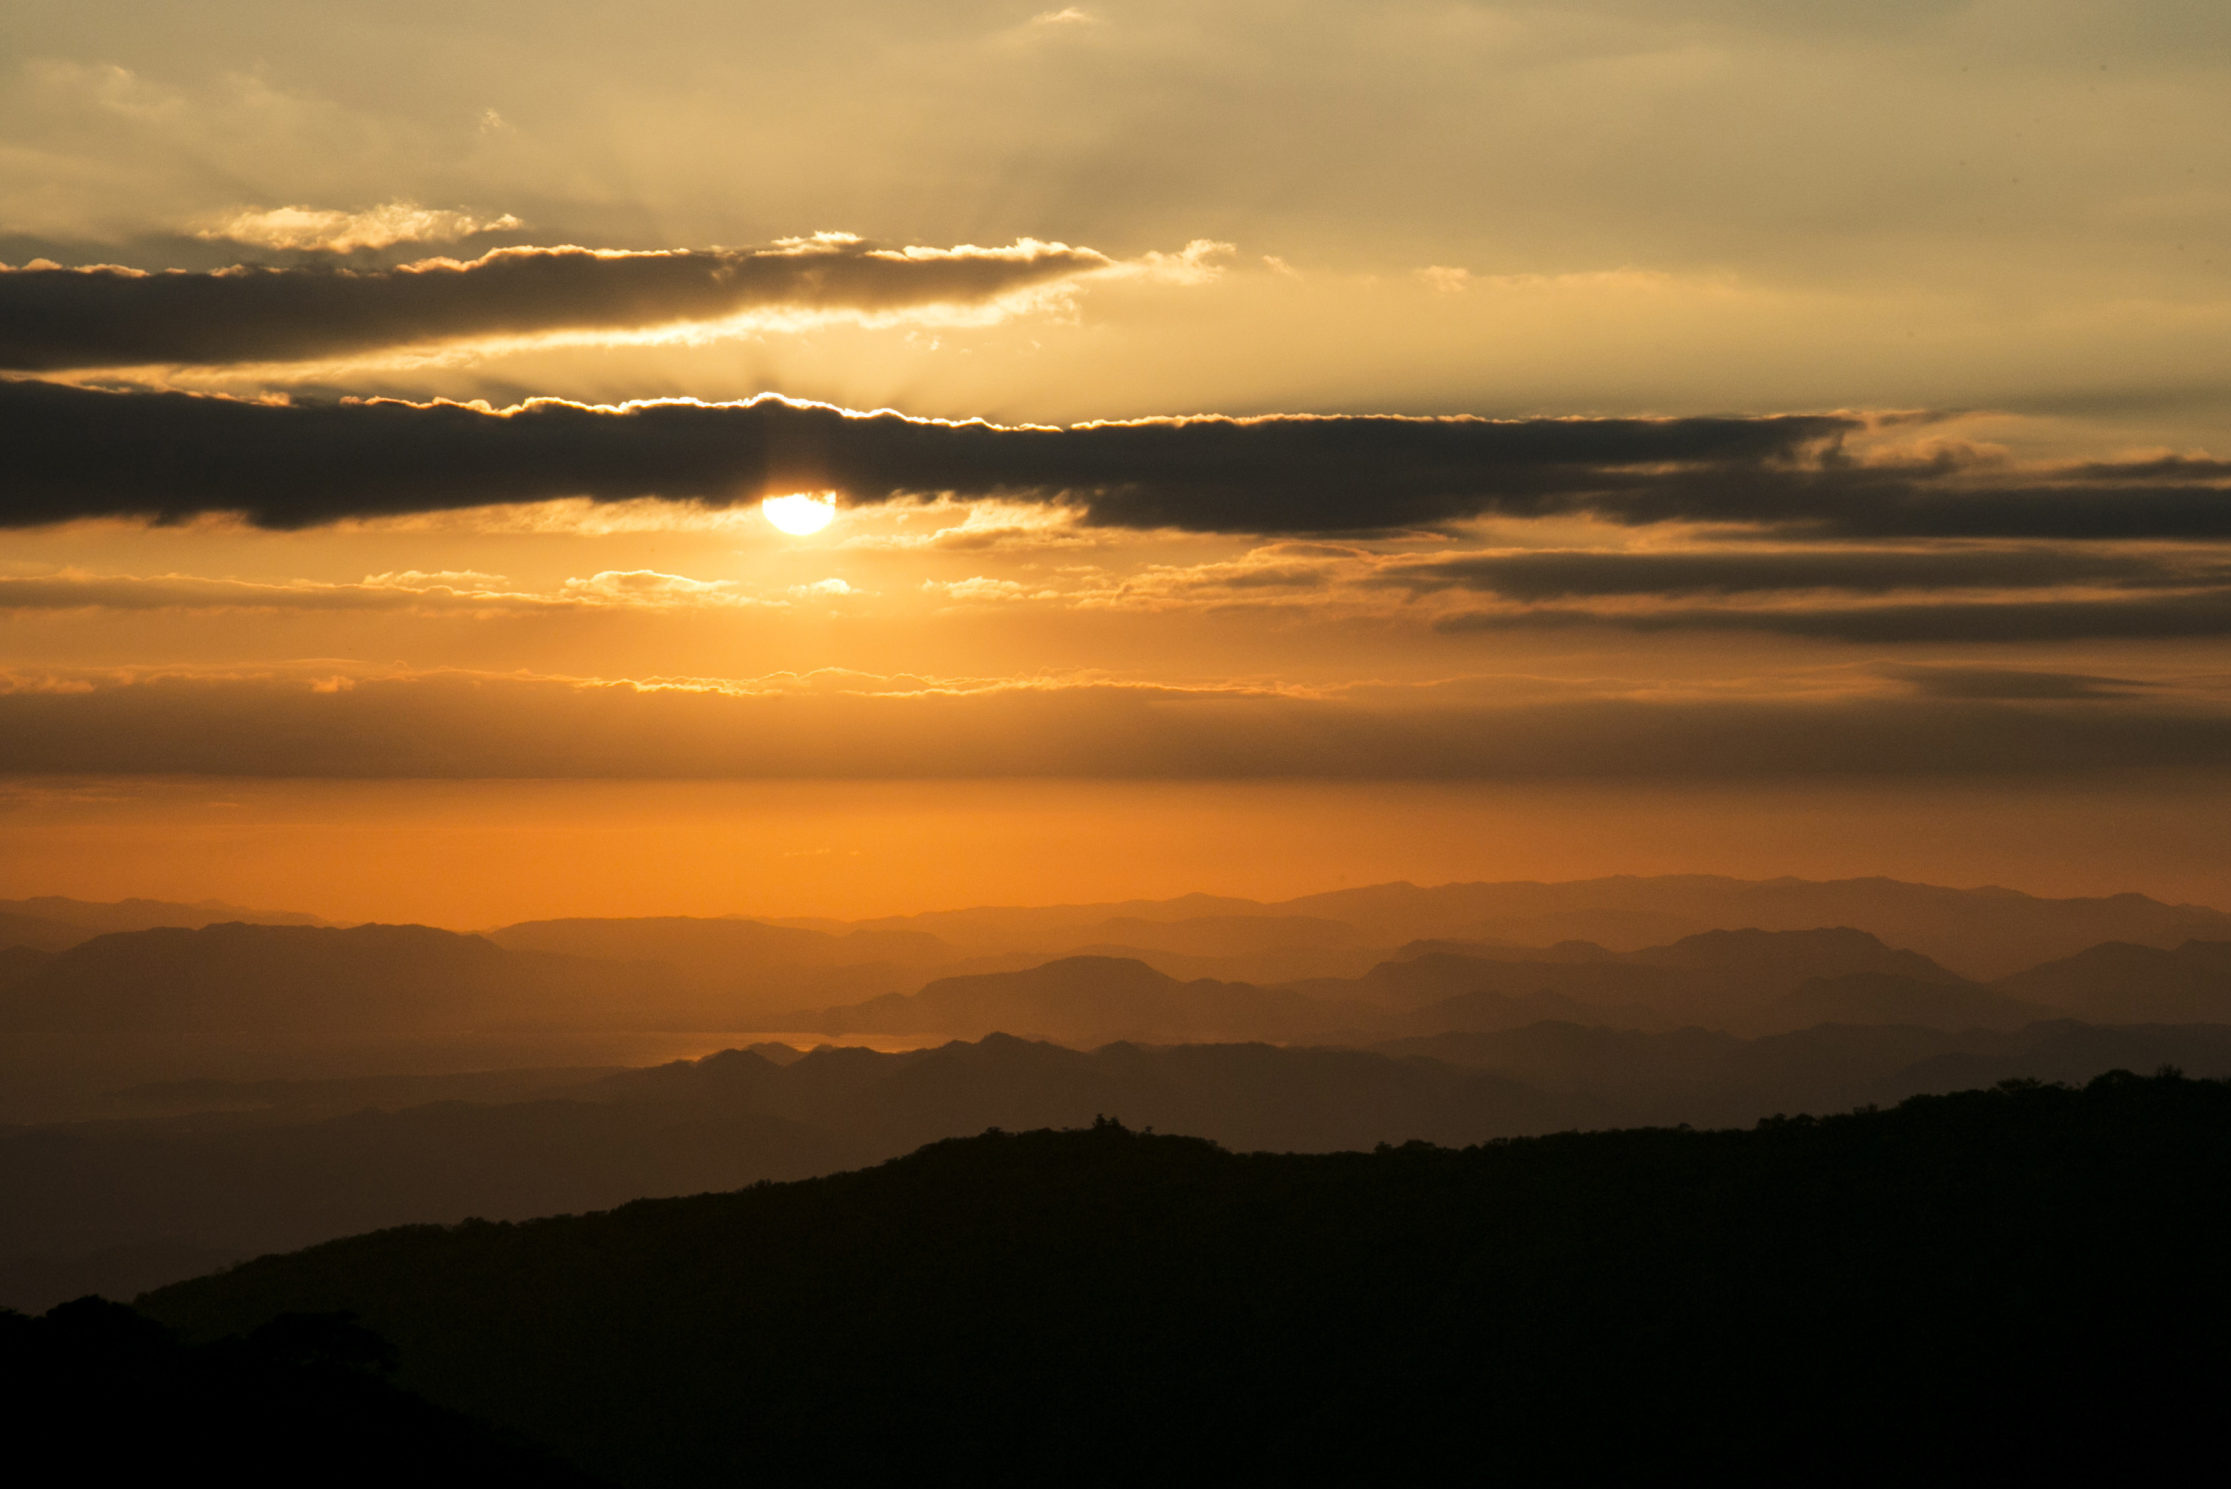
{"x":457,"y":727}
{"x":75,"y":452}
{"x":2013,"y":683}
{"x":1589,"y":573}
{"x":2203,"y":615}
{"x":53,"y":318}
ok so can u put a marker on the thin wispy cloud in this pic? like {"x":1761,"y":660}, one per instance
{"x":330,"y":230}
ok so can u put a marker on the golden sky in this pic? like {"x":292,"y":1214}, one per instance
{"x":1284,"y":443}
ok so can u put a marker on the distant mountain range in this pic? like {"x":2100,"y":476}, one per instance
{"x":1748,"y":982}
{"x":280,"y":983}
{"x":1982,"y":933}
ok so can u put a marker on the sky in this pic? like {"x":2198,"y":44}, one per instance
{"x":1263,"y":446}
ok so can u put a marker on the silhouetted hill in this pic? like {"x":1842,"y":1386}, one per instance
{"x":2120,"y":983}
{"x":277,"y":981}
{"x":104,"y":1395}
{"x":1997,"y":1286}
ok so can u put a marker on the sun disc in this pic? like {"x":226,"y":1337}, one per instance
{"x":799,"y":514}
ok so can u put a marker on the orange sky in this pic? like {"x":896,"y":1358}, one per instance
{"x":475,"y":854}
{"x":1962,"y":620}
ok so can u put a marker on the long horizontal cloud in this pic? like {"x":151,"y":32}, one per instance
{"x":1552,"y":574}
{"x":76,"y":452}
{"x":187,"y":592}
{"x":468,"y":593}
{"x":2197,"y":616}
{"x":56,"y":318}
{"x":462,"y":727}
{"x":2012,"y":683}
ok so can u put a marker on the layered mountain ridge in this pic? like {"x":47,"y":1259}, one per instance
{"x":187,"y":1095}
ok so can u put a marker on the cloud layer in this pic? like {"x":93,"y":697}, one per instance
{"x":2032,"y":593}
{"x":1559,"y":574}
{"x":78,"y":453}
{"x":81,"y":453}
{"x":1950,"y":723}
{"x":52,"y":319}
{"x":2201,"y":615}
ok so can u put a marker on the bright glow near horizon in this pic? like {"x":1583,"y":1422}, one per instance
{"x":799,"y":514}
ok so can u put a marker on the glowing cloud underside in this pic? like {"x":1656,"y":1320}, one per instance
{"x":799,"y":514}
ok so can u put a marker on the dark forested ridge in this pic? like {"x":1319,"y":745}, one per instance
{"x":104,"y":1395}
{"x":2000,"y":1283}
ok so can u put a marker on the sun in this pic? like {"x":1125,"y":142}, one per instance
{"x":799,"y":514}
